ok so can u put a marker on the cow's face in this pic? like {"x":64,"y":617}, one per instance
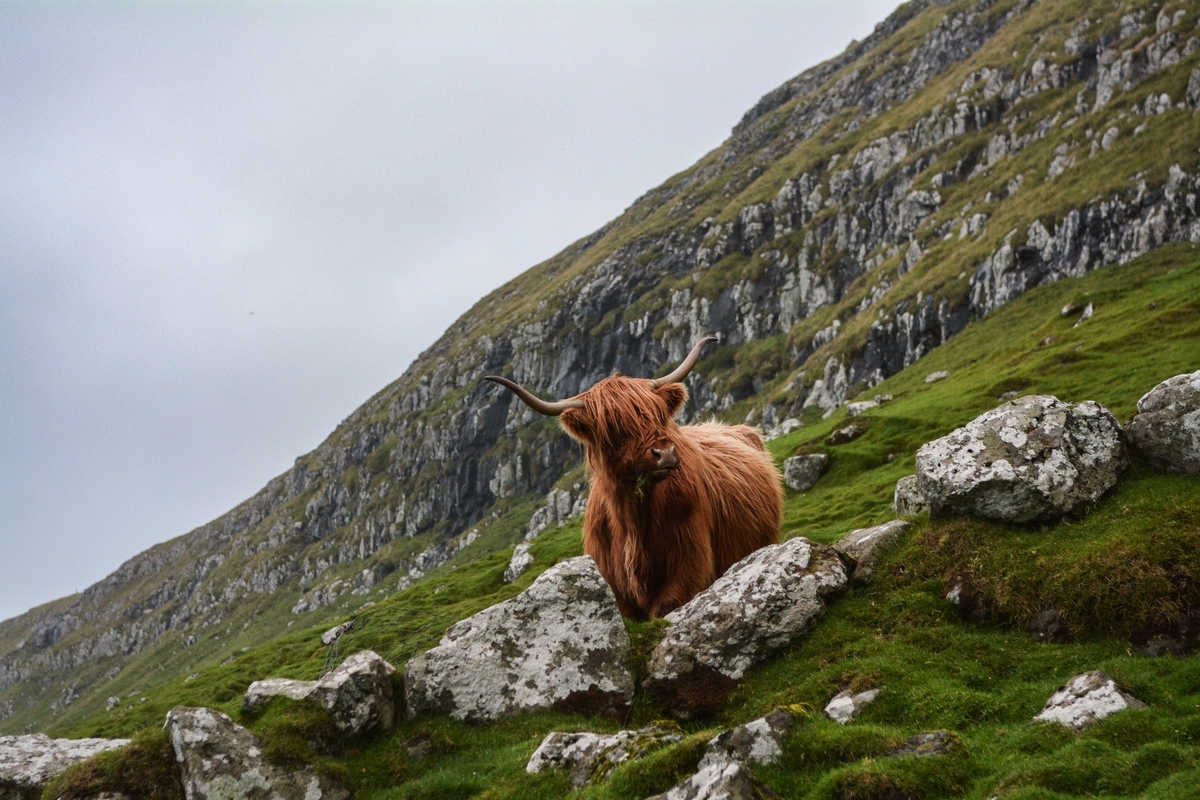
{"x":628,"y":428}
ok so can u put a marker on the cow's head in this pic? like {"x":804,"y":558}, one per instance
{"x":626,"y":425}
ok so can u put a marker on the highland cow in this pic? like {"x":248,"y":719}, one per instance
{"x":671,"y":507}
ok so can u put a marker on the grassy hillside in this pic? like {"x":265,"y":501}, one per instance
{"x":1118,"y":574}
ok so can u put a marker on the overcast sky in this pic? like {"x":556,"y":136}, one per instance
{"x":225,"y":225}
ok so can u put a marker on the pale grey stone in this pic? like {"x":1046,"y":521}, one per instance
{"x":861,"y":407}
{"x":1087,"y":698}
{"x":28,"y":763}
{"x":1166,"y":429}
{"x":358,"y":695}
{"x":801,"y":473}
{"x":1088,"y":311}
{"x":560,"y":643}
{"x":759,"y":741}
{"x":846,"y":705}
{"x":934,"y":377}
{"x":591,"y":757}
{"x":220,"y":760}
{"x":908,"y":500}
{"x":762,"y":604}
{"x":521,"y":560}
{"x":933,"y":743}
{"x":867,"y":545}
{"x":336,"y":633}
{"x":1033,"y":458}
{"x":719,"y":780}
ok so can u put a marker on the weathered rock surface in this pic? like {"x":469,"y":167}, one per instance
{"x":1166,"y":429}
{"x":801,"y":473}
{"x":28,"y":763}
{"x":844,"y":435}
{"x":220,"y":760}
{"x":763,"y":603}
{"x":759,"y":741}
{"x":1087,"y":698}
{"x":561,"y":643}
{"x":908,"y":500}
{"x":846,"y":705}
{"x":358,"y":694}
{"x":591,"y":757}
{"x":521,"y":560}
{"x":867,"y":545}
{"x":719,"y":780}
{"x":1033,"y":458}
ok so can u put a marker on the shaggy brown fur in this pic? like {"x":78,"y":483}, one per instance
{"x":659,"y":539}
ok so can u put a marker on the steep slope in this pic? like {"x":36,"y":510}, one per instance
{"x":858,"y":217}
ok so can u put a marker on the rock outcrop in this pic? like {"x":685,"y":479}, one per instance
{"x":590,"y":758}
{"x":28,"y":763}
{"x":358,"y":694}
{"x":559,"y":644}
{"x":220,"y":760}
{"x":1087,"y":698}
{"x":762,"y":604}
{"x":1032,"y":459}
{"x":866,"y":546}
{"x":1166,"y":429}
{"x":801,"y":473}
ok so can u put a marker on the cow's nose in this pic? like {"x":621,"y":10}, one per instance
{"x":665,"y":458}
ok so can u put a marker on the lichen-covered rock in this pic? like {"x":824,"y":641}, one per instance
{"x":933,"y":743}
{"x":1032,"y":459}
{"x":559,"y":644}
{"x":908,"y":500}
{"x":719,"y":780}
{"x":845,"y":705}
{"x":1166,"y":429}
{"x":28,"y":763}
{"x":762,"y":604}
{"x":801,"y":473}
{"x":845,"y":435}
{"x":521,"y":560}
{"x":591,"y":757}
{"x":759,"y":741}
{"x":1087,"y":698}
{"x":358,"y":694}
{"x":867,"y":545}
{"x":220,"y":760}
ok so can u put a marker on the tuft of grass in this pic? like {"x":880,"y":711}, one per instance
{"x":145,"y":769}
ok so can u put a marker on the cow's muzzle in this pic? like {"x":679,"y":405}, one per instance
{"x":665,"y":462}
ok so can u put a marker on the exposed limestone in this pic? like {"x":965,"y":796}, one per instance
{"x":866,"y":546}
{"x":762,"y":604}
{"x":591,"y":757}
{"x":1087,"y":698}
{"x":1033,"y":458}
{"x":1166,"y":429}
{"x":559,"y":644}
{"x":358,"y":694}
{"x":220,"y":760}
{"x":908,"y":500}
{"x":801,"y":473}
{"x":521,"y":560}
{"x":720,"y":780}
{"x":28,"y":763}
{"x":846,"y":705}
{"x":759,"y":741}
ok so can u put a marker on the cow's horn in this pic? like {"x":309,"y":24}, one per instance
{"x":683,"y":369}
{"x":536,"y":403}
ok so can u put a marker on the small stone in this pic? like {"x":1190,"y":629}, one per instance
{"x":846,"y":434}
{"x":866,"y":546}
{"x":1050,"y":626}
{"x":590,"y":758}
{"x":801,"y":473}
{"x":934,"y":743}
{"x":1012,"y":394}
{"x":1088,"y":310}
{"x":1166,"y":429}
{"x":521,"y":560}
{"x":846,"y":705}
{"x":336,"y":632}
{"x":940,"y":375}
{"x":861,"y":407}
{"x":418,"y":747}
{"x":1087,"y":698}
{"x":112,"y":703}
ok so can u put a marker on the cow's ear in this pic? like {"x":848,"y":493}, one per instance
{"x":675,"y":394}
{"x":579,"y":425}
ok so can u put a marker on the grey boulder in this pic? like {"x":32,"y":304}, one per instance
{"x":1035,"y":458}
{"x":908,"y":500}
{"x":591,"y":757}
{"x":28,"y":763}
{"x":220,"y":760}
{"x":866,"y":546}
{"x":759,"y":606}
{"x":801,"y":473}
{"x":1166,"y":429}
{"x":559,"y":644}
{"x":358,"y":694}
{"x":1087,"y":698}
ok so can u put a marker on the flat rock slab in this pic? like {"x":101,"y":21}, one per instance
{"x":358,"y":694}
{"x":1166,"y":429}
{"x":591,"y":757}
{"x":220,"y":760}
{"x":762,"y":604}
{"x":1035,"y":458}
{"x":846,"y":705}
{"x":1087,"y":698}
{"x":866,"y":546}
{"x":801,"y":473}
{"x":559,"y":644}
{"x":28,"y":763}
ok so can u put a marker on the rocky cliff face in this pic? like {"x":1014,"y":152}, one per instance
{"x":859,"y":216}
